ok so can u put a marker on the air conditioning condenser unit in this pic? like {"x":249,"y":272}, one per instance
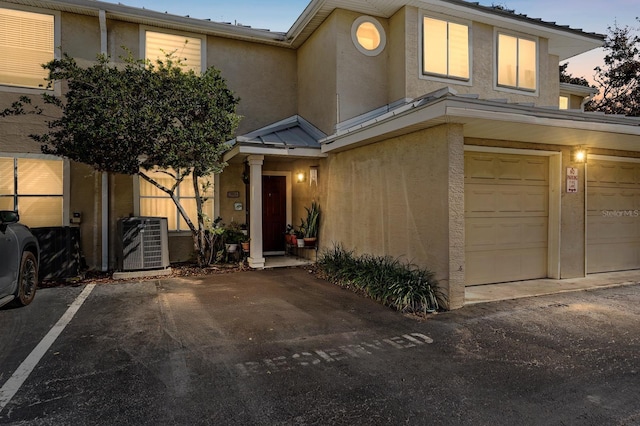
{"x":143,"y":243}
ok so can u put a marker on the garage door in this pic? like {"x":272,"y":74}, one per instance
{"x":613,"y":216}
{"x":506,"y":217}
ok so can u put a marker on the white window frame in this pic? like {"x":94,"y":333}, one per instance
{"x":66,"y":180}
{"x":202,"y":37}
{"x":437,"y":77}
{"x":354,"y":35}
{"x":57,"y":39}
{"x":508,"y":89}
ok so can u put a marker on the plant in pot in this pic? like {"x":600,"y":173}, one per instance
{"x":231,"y":239}
{"x":244,"y":242}
{"x":289,"y":235}
{"x":311,"y":224}
{"x":299,"y":236}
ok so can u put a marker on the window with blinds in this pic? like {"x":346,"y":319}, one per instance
{"x":26,"y":42}
{"x":157,"y":203}
{"x":517,"y":62}
{"x":445,"y":49}
{"x":187,"y":49}
{"x":34,"y":188}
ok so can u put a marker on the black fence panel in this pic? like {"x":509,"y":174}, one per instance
{"x":60,"y":252}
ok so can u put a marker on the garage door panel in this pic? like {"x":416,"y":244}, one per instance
{"x":613,"y":216}
{"x":536,"y":201}
{"x":506,"y":217}
{"x":509,"y":233}
{"x":496,"y":266}
{"x":505,"y":169}
{"x":615,"y":256}
{"x":627,"y":174}
{"x":608,"y":229}
{"x":506,"y":200}
{"x":536,"y":170}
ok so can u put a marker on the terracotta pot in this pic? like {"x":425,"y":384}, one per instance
{"x":310,"y":242}
{"x":245,"y":246}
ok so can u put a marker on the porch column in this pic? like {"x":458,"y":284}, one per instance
{"x":256,"y":258}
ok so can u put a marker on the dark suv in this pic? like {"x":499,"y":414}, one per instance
{"x":19,"y":260}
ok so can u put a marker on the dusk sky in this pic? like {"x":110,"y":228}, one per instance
{"x":279,"y":15}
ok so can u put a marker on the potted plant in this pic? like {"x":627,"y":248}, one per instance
{"x":231,"y":241}
{"x":311,"y":224}
{"x":299,"y":237}
{"x":244,"y":242}
{"x":289,"y":236}
{"x":232,"y":236}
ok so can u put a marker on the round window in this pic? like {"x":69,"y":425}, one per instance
{"x":368,"y":35}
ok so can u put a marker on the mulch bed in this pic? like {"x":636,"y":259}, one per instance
{"x":177,"y":270}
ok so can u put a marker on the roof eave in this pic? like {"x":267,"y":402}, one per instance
{"x":448,"y":110}
{"x":165,"y":20}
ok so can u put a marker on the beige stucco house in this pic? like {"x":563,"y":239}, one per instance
{"x":436,"y":130}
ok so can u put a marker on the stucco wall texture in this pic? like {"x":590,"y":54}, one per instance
{"x":394,"y":198}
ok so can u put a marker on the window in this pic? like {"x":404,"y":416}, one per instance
{"x":34,"y":188}
{"x":368,"y":35}
{"x":157,"y":203}
{"x":517,"y":62}
{"x":445,"y":49}
{"x":26,"y":42}
{"x":187,"y":49}
{"x":564,"y":102}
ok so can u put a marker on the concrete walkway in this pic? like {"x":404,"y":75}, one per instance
{"x":531,"y":288}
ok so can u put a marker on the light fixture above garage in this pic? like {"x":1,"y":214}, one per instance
{"x":579,"y":155}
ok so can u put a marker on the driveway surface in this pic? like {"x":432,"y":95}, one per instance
{"x":282,"y":347}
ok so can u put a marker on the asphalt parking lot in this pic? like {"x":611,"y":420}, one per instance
{"x":282,"y":347}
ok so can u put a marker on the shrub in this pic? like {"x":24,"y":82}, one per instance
{"x":400,"y":285}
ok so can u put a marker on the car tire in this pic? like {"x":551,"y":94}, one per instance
{"x":27,"y":279}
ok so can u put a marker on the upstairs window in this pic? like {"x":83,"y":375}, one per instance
{"x":368,"y":35}
{"x":445,"y":49}
{"x":187,"y":49}
{"x":564,"y":102}
{"x":517,"y":62}
{"x":26,"y":43}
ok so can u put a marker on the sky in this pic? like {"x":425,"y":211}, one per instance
{"x":279,"y":15}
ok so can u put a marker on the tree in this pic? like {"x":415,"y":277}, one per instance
{"x":619,"y":78}
{"x":138,"y":116}
{"x":565,"y":77}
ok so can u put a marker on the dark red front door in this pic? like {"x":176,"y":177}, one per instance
{"x":274,"y":212}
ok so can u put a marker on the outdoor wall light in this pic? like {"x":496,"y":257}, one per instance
{"x":579,"y":155}
{"x":300,"y":177}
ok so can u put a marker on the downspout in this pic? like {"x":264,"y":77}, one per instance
{"x":586,"y":100}
{"x":105,"y":175}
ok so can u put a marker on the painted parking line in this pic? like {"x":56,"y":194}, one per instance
{"x":11,"y":386}
{"x":326,"y":355}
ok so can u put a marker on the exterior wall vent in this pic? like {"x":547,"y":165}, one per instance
{"x":143,"y":243}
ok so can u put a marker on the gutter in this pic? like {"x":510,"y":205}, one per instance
{"x":140,"y":15}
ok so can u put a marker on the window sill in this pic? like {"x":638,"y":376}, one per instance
{"x":23,"y":90}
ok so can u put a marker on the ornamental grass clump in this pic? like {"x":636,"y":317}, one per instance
{"x":400,"y":285}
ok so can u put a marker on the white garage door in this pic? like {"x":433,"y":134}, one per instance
{"x":613,"y":216}
{"x":506,"y":217}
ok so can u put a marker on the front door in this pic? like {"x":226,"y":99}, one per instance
{"x":274,"y":213}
